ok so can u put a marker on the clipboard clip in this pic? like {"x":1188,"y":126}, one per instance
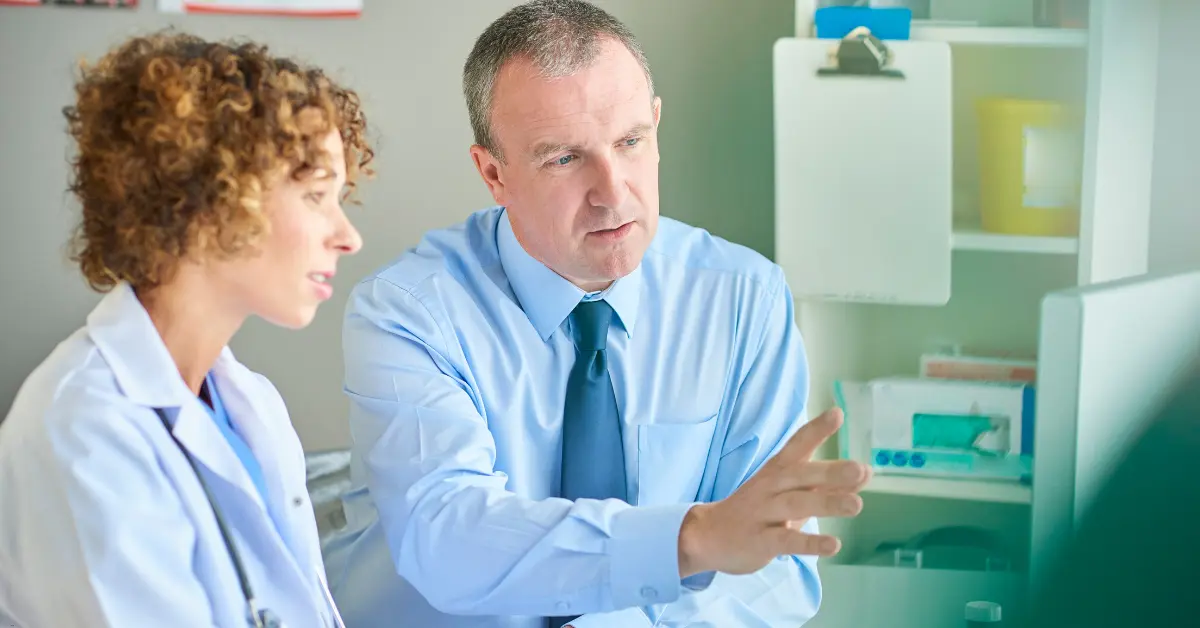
{"x":860,"y":53}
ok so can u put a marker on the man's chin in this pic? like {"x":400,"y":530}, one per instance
{"x":619,"y":265}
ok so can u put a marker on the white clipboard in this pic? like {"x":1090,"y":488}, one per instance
{"x":863,"y":178}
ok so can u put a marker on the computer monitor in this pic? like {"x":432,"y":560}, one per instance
{"x":1109,"y":356}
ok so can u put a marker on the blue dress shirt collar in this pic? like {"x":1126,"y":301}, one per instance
{"x":547,"y":298}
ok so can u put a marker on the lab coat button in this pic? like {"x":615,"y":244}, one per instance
{"x":649,"y":593}
{"x":297,"y":502}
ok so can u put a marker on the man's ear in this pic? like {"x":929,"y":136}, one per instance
{"x":492,"y":172}
{"x":657,"y":111}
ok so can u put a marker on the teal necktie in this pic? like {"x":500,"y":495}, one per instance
{"x":593,"y":458}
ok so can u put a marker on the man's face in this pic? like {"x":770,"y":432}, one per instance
{"x":580,"y":171}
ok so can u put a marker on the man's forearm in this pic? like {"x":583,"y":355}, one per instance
{"x":476,"y":550}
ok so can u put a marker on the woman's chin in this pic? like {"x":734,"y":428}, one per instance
{"x":292,"y":318}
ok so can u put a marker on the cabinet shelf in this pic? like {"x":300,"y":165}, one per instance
{"x":943,"y":488}
{"x":931,"y":598}
{"x":974,"y":239}
{"x":1028,"y":37}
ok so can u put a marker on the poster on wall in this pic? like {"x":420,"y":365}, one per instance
{"x":127,"y":4}
{"x":301,"y":8}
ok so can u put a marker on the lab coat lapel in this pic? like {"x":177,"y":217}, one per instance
{"x":195,"y":429}
{"x":261,"y":418}
{"x":250,"y":403}
{"x":147,"y":375}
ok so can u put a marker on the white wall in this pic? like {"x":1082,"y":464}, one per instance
{"x":1175,"y":212}
{"x":712,"y":60}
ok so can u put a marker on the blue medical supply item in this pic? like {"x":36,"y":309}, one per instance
{"x":961,"y":432}
{"x":948,"y":428}
{"x":884,"y":23}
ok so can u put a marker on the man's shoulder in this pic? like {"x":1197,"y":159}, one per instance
{"x":694,"y":250}
{"x":449,"y":252}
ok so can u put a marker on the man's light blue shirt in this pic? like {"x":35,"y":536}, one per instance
{"x":457,"y":356}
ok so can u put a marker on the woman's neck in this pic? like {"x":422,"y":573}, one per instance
{"x":194,"y":321}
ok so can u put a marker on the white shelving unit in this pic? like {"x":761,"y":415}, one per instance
{"x":886,"y":596}
{"x":998,"y":283}
{"x":967,"y":239}
{"x":1000,"y":36}
{"x":939,"y":488}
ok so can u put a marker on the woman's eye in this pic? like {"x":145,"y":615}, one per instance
{"x":315,"y":197}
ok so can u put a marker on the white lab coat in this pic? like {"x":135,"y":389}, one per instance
{"x":102,"y":520}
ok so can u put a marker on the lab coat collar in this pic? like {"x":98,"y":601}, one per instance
{"x":147,"y":375}
{"x":125,"y":336}
{"x":547,"y":298}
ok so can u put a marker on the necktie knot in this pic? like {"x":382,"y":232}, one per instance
{"x":591,"y":320}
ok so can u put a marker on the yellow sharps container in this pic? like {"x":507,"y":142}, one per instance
{"x":1030,"y":153}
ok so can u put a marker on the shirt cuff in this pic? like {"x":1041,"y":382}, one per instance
{"x":627,"y":618}
{"x":645,"y":555}
{"x":700,"y":581}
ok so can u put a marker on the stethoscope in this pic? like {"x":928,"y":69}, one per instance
{"x":256,"y":617}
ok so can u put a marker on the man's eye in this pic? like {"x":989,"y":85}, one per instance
{"x":564,"y":160}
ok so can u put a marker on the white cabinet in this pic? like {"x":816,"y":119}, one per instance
{"x":997,"y":287}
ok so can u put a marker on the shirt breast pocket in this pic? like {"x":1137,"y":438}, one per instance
{"x":671,"y":460}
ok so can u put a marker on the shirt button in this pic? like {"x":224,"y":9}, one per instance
{"x":562,"y":607}
{"x":649,"y":593}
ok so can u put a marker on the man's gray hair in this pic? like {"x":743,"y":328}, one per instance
{"x":560,"y":37}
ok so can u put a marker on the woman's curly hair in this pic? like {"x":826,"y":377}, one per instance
{"x":178,"y":137}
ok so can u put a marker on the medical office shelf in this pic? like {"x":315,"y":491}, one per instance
{"x":942,"y":488}
{"x":896,"y":596}
{"x":998,"y":283}
{"x":973,"y":239}
{"x":999,"y":36}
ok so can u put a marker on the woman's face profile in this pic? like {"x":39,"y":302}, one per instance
{"x":288,"y":275}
